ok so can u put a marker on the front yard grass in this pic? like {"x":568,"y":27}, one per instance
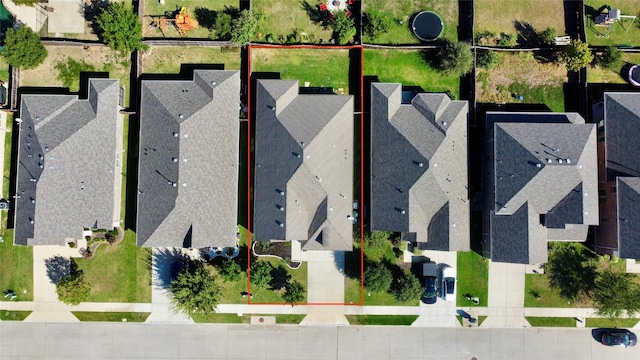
{"x":551,"y":321}
{"x":395,"y":320}
{"x":243,"y":319}
{"x":267,"y":295}
{"x":8,"y":315}
{"x":111,"y":316}
{"x":542,"y":83}
{"x":538,"y":293}
{"x":500,"y":16}
{"x":77,"y":59}
{"x":318,"y":67}
{"x":409,"y":68}
{"x":282,"y":17}
{"x":16,"y":266}
{"x":611,"y":323}
{"x":119,"y":273}
{"x":622,"y":33}
{"x":473,"y":278}
{"x":4,"y":70}
{"x":206,"y":16}
{"x":168,"y":59}
{"x":615,"y":75}
{"x":402,"y":10}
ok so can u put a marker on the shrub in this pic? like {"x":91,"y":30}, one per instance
{"x":244,"y":27}
{"x":375,"y":23}
{"x":455,"y":58}
{"x":508,"y":40}
{"x":343,"y":27}
{"x":229,"y":270}
{"x":487,"y":59}
{"x":293,"y":292}
{"x":407,"y":288}
{"x":377,"y":277}
{"x":261,"y":273}
{"x":223,"y":26}
{"x":577,"y":55}
{"x":610,"y":57}
{"x":547,"y":36}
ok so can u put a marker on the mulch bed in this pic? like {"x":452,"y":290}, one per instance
{"x":279,"y":249}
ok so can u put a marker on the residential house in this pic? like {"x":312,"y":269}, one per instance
{"x":188,"y":161}
{"x":69,"y":165}
{"x":303,"y":167}
{"x":419,"y":167}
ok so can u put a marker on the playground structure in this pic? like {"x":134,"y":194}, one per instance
{"x":609,"y":17}
{"x":181,"y":20}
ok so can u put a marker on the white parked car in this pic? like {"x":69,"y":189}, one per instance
{"x":448,"y":288}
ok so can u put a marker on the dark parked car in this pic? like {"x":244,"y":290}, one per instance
{"x":622,"y":338}
{"x":430,"y":295}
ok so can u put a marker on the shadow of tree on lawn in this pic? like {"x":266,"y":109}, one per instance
{"x":58,"y":267}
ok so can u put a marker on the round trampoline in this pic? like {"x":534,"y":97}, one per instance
{"x":427,"y":26}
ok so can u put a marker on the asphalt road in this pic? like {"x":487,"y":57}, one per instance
{"x":20,"y":340}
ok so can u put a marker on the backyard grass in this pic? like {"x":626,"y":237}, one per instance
{"x":551,"y":321}
{"x":499,"y":16}
{"x":473,"y":278}
{"x":168,"y":59}
{"x":616,"y":75}
{"x":381,"y":319}
{"x":402,"y":10}
{"x":244,"y":319}
{"x":119,"y":273}
{"x":542,"y":83}
{"x":16,"y":266}
{"x":4,"y":70}
{"x":91,"y":58}
{"x":6,"y":315}
{"x":318,"y":67}
{"x":204,"y":11}
{"x":624,"y":33}
{"x":538,"y":293}
{"x":111,"y":316}
{"x":611,"y":323}
{"x":282,"y":17}
{"x":409,"y":68}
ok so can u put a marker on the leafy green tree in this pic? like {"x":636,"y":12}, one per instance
{"x":487,"y":59}
{"x":577,"y":55}
{"x":616,"y":293}
{"x":343,"y":27}
{"x":195,"y":289}
{"x":569,"y":270}
{"x":244,"y":27}
{"x":455,"y":58}
{"x":293,"y":292}
{"x":610,"y":57}
{"x":377,"y":277}
{"x":73,"y":289}
{"x":407,"y":288}
{"x":230,"y":270}
{"x":261,"y":273}
{"x":223,"y":26}
{"x":23,"y":49}
{"x":376,"y":23}
{"x":120,"y":28}
{"x":547,"y":36}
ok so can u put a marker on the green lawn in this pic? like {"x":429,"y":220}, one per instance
{"x":409,"y":68}
{"x":622,"y":33}
{"x":6,"y":315}
{"x":204,"y":11}
{"x":119,"y":273}
{"x":499,"y":16}
{"x":473,"y":278}
{"x":596,"y":74}
{"x":402,"y":10}
{"x":16,"y":266}
{"x":282,"y":17}
{"x":381,"y":319}
{"x":111,"y":316}
{"x":244,"y":319}
{"x":318,"y":67}
{"x":538,"y":293}
{"x":481,"y":319}
{"x":4,"y":71}
{"x":264,"y":294}
{"x":551,"y":321}
{"x":611,"y":323}
{"x":168,"y":59}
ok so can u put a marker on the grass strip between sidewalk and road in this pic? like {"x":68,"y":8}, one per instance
{"x":244,"y":319}
{"x":9,"y":315}
{"x":551,"y":321}
{"x":111,"y":316}
{"x":611,"y":323}
{"x":381,"y":319}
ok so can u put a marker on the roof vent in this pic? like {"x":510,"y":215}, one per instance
{"x":213,"y":83}
{"x":402,"y":212}
{"x":175,"y":134}
{"x":46,"y":148}
{"x":181,"y":116}
{"x":420,"y":164}
{"x":568,"y":161}
{"x":282,"y":193}
{"x":538,"y":165}
{"x":549,"y":161}
{"x":33,"y":180}
{"x":174,"y":159}
{"x":560,"y":161}
{"x":281,"y":208}
{"x":184,"y":184}
{"x":444,"y":123}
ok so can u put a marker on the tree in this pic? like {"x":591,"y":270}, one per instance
{"x":195,"y":289}
{"x":223,"y":25}
{"x":547,"y":36}
{"x":243,"y":28}
{"x":610,"y":57}
{"x":375,"y":23}
{"x":23,"y":49}
{"x":569,"y":270}
{"x":293,"y":292}
{"x":377,"y":277}
{"x":455,"y":58}
{"x":120,"y":28}
{"x":343,"y":27}
{"x":487,"y":59}
{"x":261,"y":273}
{"x":577,"y":55}
{"x":230,"y":270}
{"x":407,"y":288}
{"x":72,"y":289}
{"x":616,"y":293}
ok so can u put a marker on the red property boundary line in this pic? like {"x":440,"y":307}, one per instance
{"x":361,"y":205}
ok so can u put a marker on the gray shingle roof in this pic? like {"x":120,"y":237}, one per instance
{"x":303,"y":167}
{"x":628,"y":195}
{"x":419,"y":167}
{"x":622,"y":126}
{"x":188,"y":167}
{"x":544,"y":180}
{"x":68,"y":164}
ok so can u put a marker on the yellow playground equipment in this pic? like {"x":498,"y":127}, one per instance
{"x":182,"y":21}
